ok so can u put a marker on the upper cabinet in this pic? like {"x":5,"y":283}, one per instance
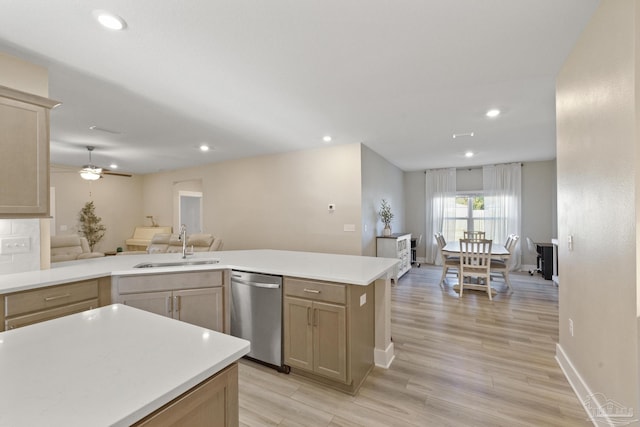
{"x":24,"y":154}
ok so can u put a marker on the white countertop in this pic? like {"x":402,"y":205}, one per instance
{"x":103,"y":367}
{"x":350,"y":269}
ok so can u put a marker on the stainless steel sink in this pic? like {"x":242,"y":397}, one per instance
{"x":177,"y":263}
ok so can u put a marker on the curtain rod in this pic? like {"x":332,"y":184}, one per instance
{"x":474,"y":167}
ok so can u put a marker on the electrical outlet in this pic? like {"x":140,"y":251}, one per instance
{"x":571,"y":327}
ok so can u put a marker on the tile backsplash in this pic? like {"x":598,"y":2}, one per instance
{"x":17,"y":263}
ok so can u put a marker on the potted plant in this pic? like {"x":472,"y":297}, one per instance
{"x":386,"y":216}
{"x":91,"y":225}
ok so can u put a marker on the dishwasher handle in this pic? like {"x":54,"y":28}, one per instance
{"x":255,"y":284}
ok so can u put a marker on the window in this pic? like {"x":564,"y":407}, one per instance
{"x":470,"y":214}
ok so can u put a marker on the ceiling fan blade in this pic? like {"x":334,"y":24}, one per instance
{"x":127,"y":175}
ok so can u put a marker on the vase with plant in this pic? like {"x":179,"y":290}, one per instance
{"x":386,"y":216}
{"x":91,"y":225}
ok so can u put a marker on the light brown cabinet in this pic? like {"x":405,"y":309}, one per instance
{"x":24,"y":154}
{"x":328,"y":331}
{"x":201,"y":307}
{"x":212,"y":403}
{"x":37,"y":305}
{"x":193,"y":297}
{"x":316,"y":337}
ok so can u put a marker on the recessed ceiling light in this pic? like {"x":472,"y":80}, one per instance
{"x":113,"y":166}
{"x":327,"y":138}
{"x":468,"y":154}
{"x":204,"y":147}
{"x":494,"y":112}
{"x":109,"y":20}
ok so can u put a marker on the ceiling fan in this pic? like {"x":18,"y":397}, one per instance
{"x":92,"y":172}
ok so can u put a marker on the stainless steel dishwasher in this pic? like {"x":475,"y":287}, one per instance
{"x":256,"y":315}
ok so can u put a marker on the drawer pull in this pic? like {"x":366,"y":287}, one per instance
{"x":57,"y":297}
{"x":312,"y":291}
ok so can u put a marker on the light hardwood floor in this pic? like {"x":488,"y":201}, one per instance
{"x":459,"y":362}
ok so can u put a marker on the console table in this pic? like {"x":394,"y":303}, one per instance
{"x":397,"y":245}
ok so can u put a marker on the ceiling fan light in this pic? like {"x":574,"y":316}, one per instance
{"x":90,"y":174}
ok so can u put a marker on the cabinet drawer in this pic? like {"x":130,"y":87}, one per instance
{"x":52,"y":313}
{"x":49,"y":297}
{"x":317,"y":291}
{"x":168,"y":281}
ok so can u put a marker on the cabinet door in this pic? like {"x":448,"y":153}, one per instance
{"x":154,"y":302}
{"x":329,"y":340}
{"x":298,"y":333}
{"x":24,"y":154}
{"x":213,"y":403}
{"x":201,"y":307}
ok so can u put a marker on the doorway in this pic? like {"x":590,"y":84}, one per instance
{"x":190,"y":210}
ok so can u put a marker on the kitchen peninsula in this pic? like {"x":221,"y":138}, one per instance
{"x":116,"y":366}
{"x":344,"y":269}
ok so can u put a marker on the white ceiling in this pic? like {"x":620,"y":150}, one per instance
{"x":253,"y":77}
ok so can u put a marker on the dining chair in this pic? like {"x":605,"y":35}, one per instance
{"x":474,"y":235}
{"x":509,"y":238}
{"x":448,"y":262}
{"x":475,"y":263}
{"x":502,"y":266}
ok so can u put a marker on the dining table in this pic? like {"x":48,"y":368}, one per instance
{"x":498,"y":252}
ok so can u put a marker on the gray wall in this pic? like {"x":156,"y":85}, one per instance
{"x":539,"y":218}
{"x":539,"y":210}
{"x":380,"y":180}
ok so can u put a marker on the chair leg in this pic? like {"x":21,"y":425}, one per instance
{"x":506,"y":279}
{"x":489,"y":287}
{"x":460,"y":283}
{"x":444,"y":274}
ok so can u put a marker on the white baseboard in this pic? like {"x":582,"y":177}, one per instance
{"x":595,"y":405}
{"x":528,"y":267}
{"x":384,"y":358}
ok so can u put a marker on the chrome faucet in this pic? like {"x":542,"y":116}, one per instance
{"x":183,"y":237}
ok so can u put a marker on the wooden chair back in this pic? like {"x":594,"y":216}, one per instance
{"x":475,"y":262}
{"x":474,"y":235}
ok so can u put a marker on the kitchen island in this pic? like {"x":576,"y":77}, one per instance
{"x":346,"y":269}
{"x":113,"y":366}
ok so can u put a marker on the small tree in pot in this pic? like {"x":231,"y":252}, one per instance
{"x":386,"y":216}
{"x":91,"y":225}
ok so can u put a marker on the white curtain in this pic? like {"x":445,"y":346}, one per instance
{"x":440,"y":210}
{"x":502,"y":186}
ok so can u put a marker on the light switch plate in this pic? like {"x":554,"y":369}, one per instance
{"x":15,"y":245}
{"x":349,"y":227}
